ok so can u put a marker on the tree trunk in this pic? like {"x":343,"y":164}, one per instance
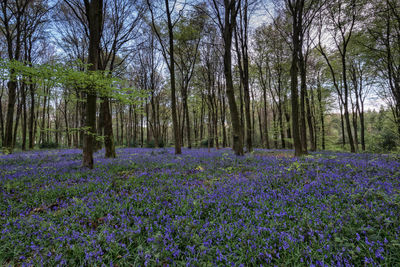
{"x":321,"y":111}
{"x":275,"y":128}
{"x":76,"y":134}
{"x":108,"y":131}
{"x":223,"y":105}
{"x":202,"y":118}
{"x":294,"y":92}
{"x":24,"y":120}
{"x":236,"y":127}
{"x":287,"y":118}
{"x":346,"y":102}
{"x":303,"y":92}
{"x":281,"y":129}
{"x":42,"y":127}
{"x":121,"y":116}
{"x":17,"y":118}
{"x":12,"y":92}
{"x":186,"y":116}
{"x":260,"y":127}
{"x":362,"y":124}
{"x":48,"y":118}
{"x":267,"y":145}
{"x":310,"y":123}
{"x":66,"y":122}
{"x":32,"y":107}
{"x":342,"y":124}
{"x":178,"y":149}
{"x":94,"y":12}
{"x":1,"y":119}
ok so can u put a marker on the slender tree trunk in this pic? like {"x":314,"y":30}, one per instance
{"x":154,"y":119}
{"x":24,"y":120}
{"x":12,"y":94}
{"x":177,"y":142}
{"x":287,"y":118}
{"x":215,"y":121}
{"x":186,"y":112}
{"x":294,"y":87}
{"x":42,"y":127}
{"x":313,"y":119}
{"x":121,"y":116}
{"x":67,"y":134}
{"x":266,"y":133}
{"x":354,"y":121}
{"x":281,"y":129}
{"x":117,"y":125}
{"x":303,"y":92}
{"x":241,"y":118}
{"x":346,"y":103}
{"x":36,"y":121}
{"x":262,"y":142}
{"x":223,"y":119}
{"x":275,"y":122}
{"x":195,"y":125}
{"x":17,"y":118}
{"x":141,"y":128}
{"x":362,"y":124}
{"x":48,"y":118}
{"x":56,"y":123}
{"x":227,"y":33}
{"x":310,"y":123}
{"x":76,"y":134}
{"x":321,"y":111}
{"x":202,"y":118}
{"x":108,"y":130}
{"x":135,"y":125}
{"x":342,"y":124}
{"x":1,"y":119}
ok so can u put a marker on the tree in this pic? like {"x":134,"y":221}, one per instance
{"x":188,"y":37}
{"x":226,"y":14}
{"x":12,"y":18}
{"x":169,"y":60}
{"x":382,"y":24}
{"x":94,"y":15}
{"x":120,"y":27}
{"x":241,"y":44}
{"x":296,"y":10}
{"x":342,"y":16}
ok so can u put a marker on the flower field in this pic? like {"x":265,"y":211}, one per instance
{"x":149,"y":207}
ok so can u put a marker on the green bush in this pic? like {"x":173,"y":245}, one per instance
{"x":132,"y":144}
{"x":204,"y":143}
{"x":48,"y":145}
{"x":151,"y":144}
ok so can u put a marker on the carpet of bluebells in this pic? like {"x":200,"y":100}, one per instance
{"x":149,"y":207}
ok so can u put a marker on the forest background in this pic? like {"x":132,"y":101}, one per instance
{"x":287,"y":74}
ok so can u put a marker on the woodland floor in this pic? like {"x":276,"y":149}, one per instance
{"x":151,"y":207}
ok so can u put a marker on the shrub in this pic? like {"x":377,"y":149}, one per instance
{"x":151,"y":144}
{"x":48,"y":145}
{"x":204,"y":143}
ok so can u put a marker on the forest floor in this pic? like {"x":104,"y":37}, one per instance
{"x":151,"y":207}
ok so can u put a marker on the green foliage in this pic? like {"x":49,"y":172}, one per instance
{"x":48,"y":145}
{"x":151,"y":144}
{"x":204,"y":143}
{"x":72,"y":75}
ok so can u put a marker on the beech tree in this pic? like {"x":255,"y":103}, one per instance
{"x":169,"y":56}
{"x":226,"y":14}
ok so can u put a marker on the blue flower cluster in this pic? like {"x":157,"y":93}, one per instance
{"x":149,"y":207}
